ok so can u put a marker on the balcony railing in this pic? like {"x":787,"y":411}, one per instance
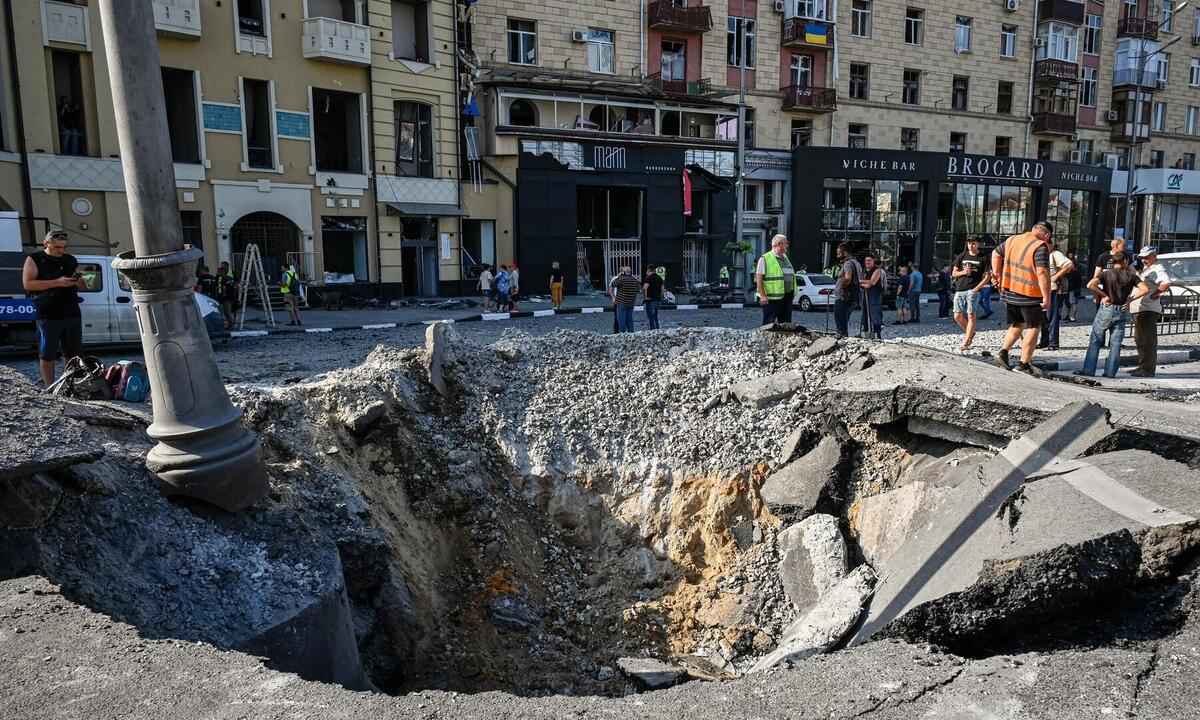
{"x":809,"y":98}
{"x":668,"y":86}
{"x":337,"y":41}
{"x":1132,"y":27}
{"x":65,"y":23}
{"x":180,"y":18}
{"x":1061,"y":10}
{"x":1055,"y":71}
{"x":1123,"y":77}
{"x":814,"y":33}
{"x":1053,"y":124}
{"x":665,"y":15}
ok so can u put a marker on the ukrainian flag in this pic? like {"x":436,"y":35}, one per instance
{"x":816,"y":34}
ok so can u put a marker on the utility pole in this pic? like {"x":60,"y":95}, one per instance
{"x":203,"y":451}
{"x":740,"y":165}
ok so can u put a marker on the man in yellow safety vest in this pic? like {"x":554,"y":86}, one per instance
{"x":776,"y":281}
{"x":289,"y":286}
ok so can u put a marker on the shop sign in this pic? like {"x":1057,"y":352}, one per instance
{"x":608,"y":157}
{"x":907,"y":166}
{"x":994,"y":168}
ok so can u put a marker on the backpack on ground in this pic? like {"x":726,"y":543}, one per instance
{"x":83,"y":378}
{"x":129,"y":381}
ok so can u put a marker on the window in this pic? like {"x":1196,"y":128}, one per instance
{"x":1092,"y":32}
{"x":68,"y":94}
{"x":93,"y":276}
{"x":674,"y":60}
{"x":860,"y":81}
{"x":1189,"y":161}
{"x":251,"y":18}
{"x":1131,"y":8}
{"x":179,"y":95}
{"x":1158,"y":121}
{"x":1193,"y":120}
{"x":414,"y":139}
{"x":193,"y":235}
{"x":749,"y":126}
{"x":910,"y":139}
{"x":410,"y":31}
{"x":522,"y":42}
{"x":802,"y":68}
{"x":1157,"y":158}
{"x":911,"y":95}
{"x":773,"y":195}
{"x":962,"y":34}
{"x":802,"y":133}
{"x":739,"y":42}
{"x":914,"y":26}
{"x":1059,"y":42}
{"x":522,"y":113}
{"x":1084,"y":147}
{"x":1004,"y":98}
{"x":1087,"y":96}
{"x":860,"y":18}
{"x":256,"y":104}
{"x":337,"y":131}
{"x":1168,"y":16}
{"x":958,"y":142}
{"x":1194,"y":73}
{"x":600,"y":45}
{"x":857,"y":136}
{"x":812,"y":9}
{"x":960,"y":92}
{"x":1003,"y":146}
{"x":1008,"y":41}
{"x":751,"y":196}
{"x":1196,"y":23}
{"x":1163,"y":68}
{"x":1045,"y":150}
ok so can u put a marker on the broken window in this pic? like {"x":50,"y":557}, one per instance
{"x":337,"y":131}
{"x":414,"y":139}
{"x":256,"y":102}
{"x":193,"y":233}
{"x":410,"y":30}
{"x":179,"y":95}
{"x":251,"y":18}
{"x":69,"y":103}
{"x":345,"y":10}
{"x":344,"y":246}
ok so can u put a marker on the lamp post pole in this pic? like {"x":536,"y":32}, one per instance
{"x":203,"y":451}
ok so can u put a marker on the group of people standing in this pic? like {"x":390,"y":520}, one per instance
{"x":502,"y":288}
{"x":222,"y":287}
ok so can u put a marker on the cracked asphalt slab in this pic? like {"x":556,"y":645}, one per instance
{"x":63,"y":661}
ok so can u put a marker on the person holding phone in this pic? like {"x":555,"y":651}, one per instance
{"x":51,"y":277}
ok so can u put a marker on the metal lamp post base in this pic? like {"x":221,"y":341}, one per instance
{"x":203,"y":451}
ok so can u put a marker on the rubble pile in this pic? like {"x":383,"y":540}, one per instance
{"x":574,"y":514}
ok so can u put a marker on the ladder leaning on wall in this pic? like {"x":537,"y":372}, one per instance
{"x":252,"y":274}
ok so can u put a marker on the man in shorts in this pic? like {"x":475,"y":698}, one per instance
{"x":970,"y":273}
{"x":1021,"y":264}
{"x":51,"y":277}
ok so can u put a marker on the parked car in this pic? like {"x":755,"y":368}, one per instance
{"x":813,"y":290}
{"x":1183,"y":305}
{"x":106,"y":306}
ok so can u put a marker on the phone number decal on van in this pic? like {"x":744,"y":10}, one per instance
{"x":17,"y":309}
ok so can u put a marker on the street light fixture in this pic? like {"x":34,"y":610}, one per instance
{"x":1134,"y":150}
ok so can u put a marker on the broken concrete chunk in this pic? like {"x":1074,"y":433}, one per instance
{"x":513,"y":613}
{"x":824,"y":626}
{"x":439,"y":354}
{"x":813,"y":558}
{"x":882,"y":523}
{"x":790,"y":445}
{"x":804,"y":485}
{"x":858,"y":364}
{"x":821,"y":346}
{"x":651,"y":674}
{"x":361,"y":418}
{"x":764,"y":391}
{"x":955,"y":433}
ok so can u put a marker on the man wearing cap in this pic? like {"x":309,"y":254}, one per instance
{"x":51,"y":278}
{"x":775,"y":280}
{"x":1147,"y":310}
{"x":1021,"y":265}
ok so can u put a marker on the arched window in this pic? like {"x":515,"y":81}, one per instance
{"x":522,"y":113}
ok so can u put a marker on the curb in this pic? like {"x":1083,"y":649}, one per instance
{"x":1168,"y":357}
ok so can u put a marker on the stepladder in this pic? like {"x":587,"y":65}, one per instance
{"x":253,"y":276}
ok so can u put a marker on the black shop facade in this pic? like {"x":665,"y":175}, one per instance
{"x":595,"y":207}
{"x":922,"y":206}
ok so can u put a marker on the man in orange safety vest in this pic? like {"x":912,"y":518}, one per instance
{"x":1021,"y":268}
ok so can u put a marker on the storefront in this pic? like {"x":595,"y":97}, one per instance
{"x":596,"y":207}
{"x":923,"y":206}
{"x":1166,"y":206}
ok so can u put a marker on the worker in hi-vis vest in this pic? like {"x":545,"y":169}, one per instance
{"x":1021,"y":266}
{"x":776,"y":282}
{"x":289,"y":286}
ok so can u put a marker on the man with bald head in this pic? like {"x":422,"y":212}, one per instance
{"x":776,"y":282}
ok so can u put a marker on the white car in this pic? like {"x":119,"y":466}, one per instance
{"x":1184,"y":270}
{"x":813,"y":290}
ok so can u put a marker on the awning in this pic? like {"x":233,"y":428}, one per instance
{"x":427,"y":209}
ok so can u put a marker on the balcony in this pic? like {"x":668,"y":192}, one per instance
{"x":177,"y":18}
{"x":693,"y":88}
{"x":1061,"y":10}
{"x":1128,"y":77}
{"x":1122,"y":132}
{"x":336,"y":41}
{"x":1055,"y":71}
{"x":1142,"y":28}
{"x":65,"y":23}
{"x":665,"y":15}
{"x":807,"y":98}
{"x":803,"y":32}
{"x":1053,"y":124}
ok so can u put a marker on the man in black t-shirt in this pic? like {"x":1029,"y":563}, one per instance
{"x":652,"y":289}
{"x":625,"y":287}
{"x":51,"y":278}
{"x":1104,"y":261}
{"x":1114,"y":289}
{"x":970,"y":273}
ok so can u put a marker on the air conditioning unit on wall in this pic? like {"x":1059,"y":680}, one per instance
{"x":1012,"y":5}
{"x":1076,"y":156}
{"x":578,"y":36}
{"x":780,"y":5}
{"x":1112,"y":116}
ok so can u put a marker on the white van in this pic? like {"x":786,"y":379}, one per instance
{"x":106,"y":307}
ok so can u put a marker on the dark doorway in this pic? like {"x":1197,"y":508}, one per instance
{"x":344,"y":245}
{"x":179,"y":94}
{"x":278,"y":241}
{"x":69,"y":103}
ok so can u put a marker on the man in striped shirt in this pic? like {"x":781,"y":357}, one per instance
{"x":625,"y":289}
